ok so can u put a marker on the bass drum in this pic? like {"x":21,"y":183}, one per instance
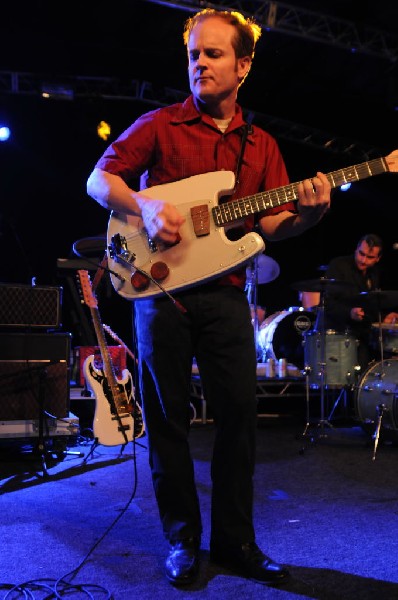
{"x":377,"y":395}
{"x":281,"y":336}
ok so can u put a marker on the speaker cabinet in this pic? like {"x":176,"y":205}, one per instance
{"x":30,"y":306}
{"x":34,"y":375}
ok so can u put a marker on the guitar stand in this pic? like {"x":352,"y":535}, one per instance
{"x":96,"y":443}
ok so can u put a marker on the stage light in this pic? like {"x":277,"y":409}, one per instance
{"x":103,"y":130}
{"x":56,"y":92}
{"x":5,"y":133}
{"x":345,"y":187}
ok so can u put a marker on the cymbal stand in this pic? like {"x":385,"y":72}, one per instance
{"x":306,"y":432}
{"x":320,"y":329}
{"x":342,"y":394}
{"x":381,"y":409}
{"x":251,"y":294}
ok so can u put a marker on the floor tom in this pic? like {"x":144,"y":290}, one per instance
{"x":377,"y":395}
{"x":340,"y":361}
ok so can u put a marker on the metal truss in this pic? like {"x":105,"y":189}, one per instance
{"x":314,"y":26}
{"x":109,"y":88}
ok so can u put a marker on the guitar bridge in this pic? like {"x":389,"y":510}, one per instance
{"x":119,"y":251}
{"x":123,"y":426}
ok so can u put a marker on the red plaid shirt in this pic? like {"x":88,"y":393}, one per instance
{"x":178,"y":141}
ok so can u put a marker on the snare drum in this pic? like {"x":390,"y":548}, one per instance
{"x":378,"y":388}
{"x":340,"y":359}
{"x":387,"y":334}
{"x":281,"y":336}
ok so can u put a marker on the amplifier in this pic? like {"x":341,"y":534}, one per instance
{"x":34,"y":375}
{"x":30,"y":306}
{"x":35,"y":346}
{"x":28,"y":387}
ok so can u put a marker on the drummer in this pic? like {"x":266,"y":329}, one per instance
{"x":258,"y":313}
{"x":309,"y":300}
{"x":345,"y":309}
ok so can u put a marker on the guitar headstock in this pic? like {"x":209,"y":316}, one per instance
{"x":86,"y":288}
{"x":392,"y":161}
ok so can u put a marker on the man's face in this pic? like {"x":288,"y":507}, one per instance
{"x":214,"y":70}
{"x":366,"y":257}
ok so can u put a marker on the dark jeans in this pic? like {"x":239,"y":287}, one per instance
{"x":217,"y":330}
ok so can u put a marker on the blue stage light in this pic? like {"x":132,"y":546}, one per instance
{"x":5,"y":133}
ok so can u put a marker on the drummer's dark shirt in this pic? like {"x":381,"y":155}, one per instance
{"x":338,"y":304}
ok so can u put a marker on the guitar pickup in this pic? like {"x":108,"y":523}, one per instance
{"x":200,"y":220}
{"x":151,"y":243}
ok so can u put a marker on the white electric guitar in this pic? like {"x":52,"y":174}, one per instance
{"x":141,"y":268}
{"x":114,"y":407}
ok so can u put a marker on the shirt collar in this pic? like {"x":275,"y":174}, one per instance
{"x":188,"y":112}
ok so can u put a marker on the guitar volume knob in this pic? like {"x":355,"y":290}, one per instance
{"x":160,"y":271}
{"x":139,"y":281}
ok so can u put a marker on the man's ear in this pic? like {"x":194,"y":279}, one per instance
{"x":244,"y":65}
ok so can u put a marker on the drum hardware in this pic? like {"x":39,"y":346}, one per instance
{"x":262,"y":269}
{"x":320,"y":285}
{"x":379,"y":300}
{"x":376,"y":401}
{"x":331,"y":348}
{"x":387,"y":338}
{"x":321,"y":332}
{"x":381,"y":408}
{"x":306,"y":433}
{"x":382,"y":299}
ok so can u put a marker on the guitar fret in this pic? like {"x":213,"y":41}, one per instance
{"x":230,"y":211}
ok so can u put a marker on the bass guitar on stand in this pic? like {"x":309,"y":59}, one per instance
{"x":115,"y":409}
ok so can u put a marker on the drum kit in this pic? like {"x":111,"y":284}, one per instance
{"x":329,"y":359}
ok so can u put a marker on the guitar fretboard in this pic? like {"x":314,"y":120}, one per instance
{"x":250,"y":205}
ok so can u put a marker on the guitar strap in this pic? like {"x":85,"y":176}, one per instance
{"x":99,"y":273}
{"x":247,"y":128}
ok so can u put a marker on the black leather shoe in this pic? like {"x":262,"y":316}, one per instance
{"x":182,"y":563}
{"x":249,"y":561}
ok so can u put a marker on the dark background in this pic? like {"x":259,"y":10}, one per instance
{"x":305,"y":91}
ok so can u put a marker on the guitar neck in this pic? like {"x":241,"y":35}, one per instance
{"x":105,"y":355}
{"x":235,"y":210}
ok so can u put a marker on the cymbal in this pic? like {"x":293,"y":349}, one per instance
{"x":266,"y":267}
{"x":321,"y":285}
{"x":388,"y":326}
{"x":381,"y":298}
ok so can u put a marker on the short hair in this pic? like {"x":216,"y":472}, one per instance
{"x":247,"y":30}
{"x":372,"y":240}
